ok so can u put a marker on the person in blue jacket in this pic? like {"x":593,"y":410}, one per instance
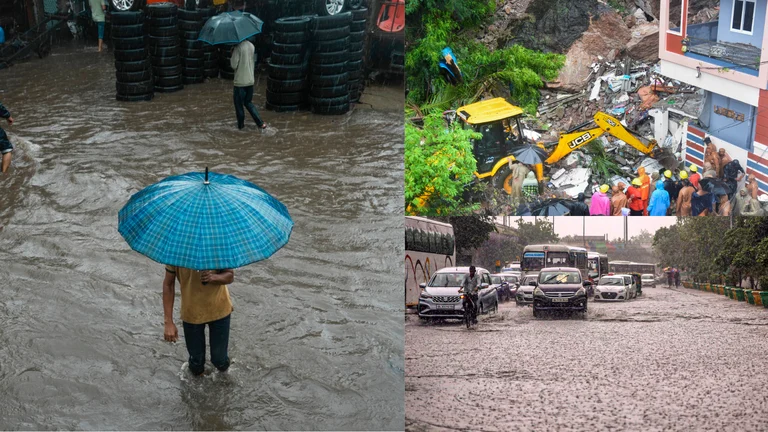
{"x":5,"y":144}
{"x":659,"y":202}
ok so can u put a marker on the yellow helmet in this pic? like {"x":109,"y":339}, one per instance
{"x":668,"y":174}
{"x":683,"y":175}
{"x":636,"y":182}
{"x":693,"y":168}
{"x":604,"y":188}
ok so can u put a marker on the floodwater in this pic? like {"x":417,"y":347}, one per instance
{"x":317,"y":333}
{"x":670,"y":360}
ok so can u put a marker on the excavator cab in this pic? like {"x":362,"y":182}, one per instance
{"x":499,"y":123}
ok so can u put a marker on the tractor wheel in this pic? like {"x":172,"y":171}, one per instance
{"x":503,"y":179}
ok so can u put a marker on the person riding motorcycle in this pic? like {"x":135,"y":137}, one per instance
{"x":469,"y":287}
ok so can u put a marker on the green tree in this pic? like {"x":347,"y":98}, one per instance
{"x":470,"y":231}
{"x":540,"y":231}
{"x":438,"y":166}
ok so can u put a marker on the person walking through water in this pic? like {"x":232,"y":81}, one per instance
{"x":98,"y":9}
{"x":470,"y":285}
{"x":6,"y":148}
{"x":204,"y":301}
{"x":677,"y":278}
{"x":242,"y":62}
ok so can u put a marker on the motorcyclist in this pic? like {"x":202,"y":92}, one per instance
{"x":469,"y":287}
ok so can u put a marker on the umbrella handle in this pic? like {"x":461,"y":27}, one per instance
{"x":206,"y":176}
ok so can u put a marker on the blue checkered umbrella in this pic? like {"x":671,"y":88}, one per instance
{"x":205,"y":222}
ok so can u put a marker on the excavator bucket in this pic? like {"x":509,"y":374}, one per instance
{"x":665,"y":157}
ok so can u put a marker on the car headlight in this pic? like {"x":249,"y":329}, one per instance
{"x":425,"y":294}
{"x":597,"y":290}
{"x":581,"y":291}
{"x":537,"y":291}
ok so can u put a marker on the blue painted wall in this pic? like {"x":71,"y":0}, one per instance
{"x":724,"y":32}
{"x":740,"y":134}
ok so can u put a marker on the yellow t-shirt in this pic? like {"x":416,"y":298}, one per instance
{"x":200,"y":303}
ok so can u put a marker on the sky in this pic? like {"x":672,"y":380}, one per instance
{"x":600,"y":225}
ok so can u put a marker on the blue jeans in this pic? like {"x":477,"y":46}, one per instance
{"x":242,"y":97}
{"x":194,"y":335}
{"x":100,"y":25}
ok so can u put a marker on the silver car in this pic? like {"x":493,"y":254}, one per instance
{"x":612,"y":288}
{"x":440,"y":297}
{"x":524,"y":294}
{"x":648,"y":280}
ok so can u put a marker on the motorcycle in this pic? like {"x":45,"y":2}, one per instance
{"x":470,"y":308}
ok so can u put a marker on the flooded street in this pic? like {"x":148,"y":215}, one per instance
{"x":669,"y":360}
{"x":317,"y":334}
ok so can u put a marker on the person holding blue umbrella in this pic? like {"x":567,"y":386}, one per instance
{"x":193,"y":224}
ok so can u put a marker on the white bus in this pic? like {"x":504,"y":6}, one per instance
{"x":429,"y":246}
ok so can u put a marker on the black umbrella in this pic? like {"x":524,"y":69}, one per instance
{"x":530,"y":154}
{"x":230,"y":28}
{"x":551,"y":207}
{"x":715,"y":186}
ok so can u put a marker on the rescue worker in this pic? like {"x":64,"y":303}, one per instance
{"x":683,"y":203}
{"x":695,"y":176}
{"x":618,"y":200}
{"x":711,"y":156}
{"x":645,"y":186}
{"x":635,"y":198}
{"x":519,"y":172}
{"x":746,"y":205}
{"x":724,"y":206}
{"x":579,"y":208}
{"x":670,"y":185}
{"x":530,"y":186}
{"x":654,"y":178}
{"x":659,"y":202}
{"x":600,"y":204}
{"x":752,"y":186}
{"x":702,"y":203}
{"x":709,"y":171}
{"x":6,"y":148}
{"x":725,"y":158}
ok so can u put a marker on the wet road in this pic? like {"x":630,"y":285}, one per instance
{"x":669,"y":360}
{"x":317,"y":335}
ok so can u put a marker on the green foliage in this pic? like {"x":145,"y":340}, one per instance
{"x":602,"y":163}
{"x":438,"y":165}
{"x":471,"y":231}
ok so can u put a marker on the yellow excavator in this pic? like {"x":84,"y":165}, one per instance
{"x":499,"y":123}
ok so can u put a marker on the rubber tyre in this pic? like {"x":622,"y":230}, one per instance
{"x":330,"y":57}
{"x":196,"y":63}
{"x":210,"y":64}
{"x":291,"y":24}
{"x":332,"y":21}
{"x":355,"y":55}
{"x":338,"y":100}
{"x":161,"y":89}
{"x":329,"y":69}
{"x":356,"y":36}
{"x":193,"y":44}
{"x":193,"y":53}
{"x":128,"y":31}
{"x":164,"y":9}
{"x":355,"y":46}
{"x":359,"y":14}
{"x":226,"y":75}
{"x":192,"y":71}
{"x":118,"y":18}
{"x":190,"y":15}
{"x":291,"y":37}
{"x":211,"y":56}
{"x":284,"y":108}
{"x":331,"y":109}
{"x":167,"y":71}
{"x":287,"y":59}
{"x":132,"y":66}
{"x":133,"y":77}
{"x":286,"y":86}
{"x":288,"y":71}
{"x":358,"y":27}
{"x":134,"y":98}
{"x":138,"y":88}
{"x":164,"y":31}
{"x":160,"y":51}
{"x":353,"y":85}
{"x":190,"y":25}
{"x":329,"y":80}
{"x":332,"y":46}
{"x":166,"y":61}
{"x":329,"y":92}
{"x":198,"y":79}
{"x":168,"y":81}
{"x":536,"y":313}
{"x":354,"y":65}
{"x":355,"y":75}
{"x":211,"y":73}
{"x":162,"y":41}
{"x":190,"y":35}
{"x":331,"y":34}
{"x":163,"y":21}
{"x":128,"y":43}
{"x":296,"y":98}
{"x":282,"y":48}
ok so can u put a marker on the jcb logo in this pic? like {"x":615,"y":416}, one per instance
{"x":580,"y":140}
{"x":610,"y":122}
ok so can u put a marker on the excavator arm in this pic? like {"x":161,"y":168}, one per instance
{"x":603,"y":123}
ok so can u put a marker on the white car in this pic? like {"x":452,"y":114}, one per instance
{"x":613,"y":288}
{"x":524,"y":294}
{"x":648,"y":280}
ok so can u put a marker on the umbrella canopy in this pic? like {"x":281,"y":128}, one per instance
{"x":551,"y":207}
{"x":230,"y":28}
{"x":715,"y":186}
{"x":205,"y":222}
{"x":529,"y":154}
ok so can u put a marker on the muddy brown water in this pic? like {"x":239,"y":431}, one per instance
{"x":317,"y":334}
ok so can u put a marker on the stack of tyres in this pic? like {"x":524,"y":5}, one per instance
{"x":356,"y":46}
{"x":210,"y":52}
{"x":225,"y":67}
{"x":289,"y":65}
{"x":192,"y":58}
{"x":164,"y":47}
{"x":329,"y":81}
{"x":134,"y":74}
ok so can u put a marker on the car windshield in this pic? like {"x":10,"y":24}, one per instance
{"x":447,"y":280}
{"x":512,"y":279}
{"x":611,"y":281}
{"x":647,"y":276}
{"x":496,"y":279}
{"x":559,"y":277}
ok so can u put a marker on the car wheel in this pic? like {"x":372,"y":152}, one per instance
{"x":503,"y":180}
{"x":329,"y":7}
{"x":126,"y":5}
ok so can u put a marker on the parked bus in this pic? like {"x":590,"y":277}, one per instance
{"x":598,"y":265}
{"x":429,"y":246}
{"x":537,"y":257}
{"x":632,"y":267}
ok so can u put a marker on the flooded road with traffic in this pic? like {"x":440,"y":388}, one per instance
{"x":670,"y":360}
{"x":317,"y":334}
